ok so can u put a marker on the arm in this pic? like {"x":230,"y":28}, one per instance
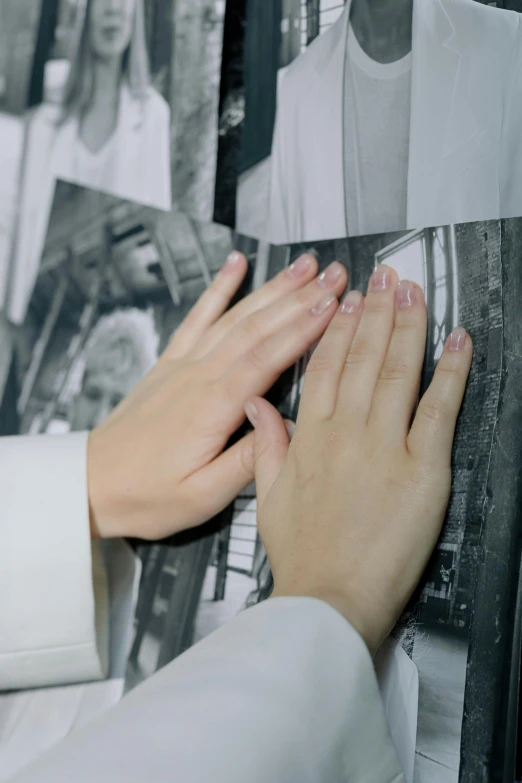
{"x":285,"y":692}
{"x":53,"y":593}
{"x":54,"y":611}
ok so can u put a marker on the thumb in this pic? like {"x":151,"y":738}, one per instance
{"x":272,"y":438}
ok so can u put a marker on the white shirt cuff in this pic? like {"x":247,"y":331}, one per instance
{"x":54,"y":610}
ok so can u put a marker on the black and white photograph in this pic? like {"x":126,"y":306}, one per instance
{"x":125,"y":100}
{"x":470,"y":274}
{"x":104,"y":124}
{"x":11,"y":156}
{"x":116,"y":87}
{"x":231,"y":113}
{"x":115,"y":280}
{"x":178,"y":179}
{"x":20,"y":37}
{"x":364,"y":117}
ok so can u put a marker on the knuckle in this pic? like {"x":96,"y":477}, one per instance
{"x":378,"y":305}
{"x":303,"y":296}
{"x":434,"y":410}
{"x":247,"y":458}
{"x":258,"y":358}
{"x":394,"y":372}
{"x":338,"y":325}
{"x":304,"y":472}
{"x":406,"y":325}
{"x":362,"y":351}
{"x":448,"y":372}
{"x":251,"y":329}
{"x":216,"y":290}
{"x":318,"y":364}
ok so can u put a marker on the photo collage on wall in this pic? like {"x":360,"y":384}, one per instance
{"x":142,"y":142}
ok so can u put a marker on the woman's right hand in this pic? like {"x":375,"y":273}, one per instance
{"x":350,"y":510}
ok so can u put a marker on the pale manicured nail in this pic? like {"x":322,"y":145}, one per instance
{"x":251,"y":412}
{"x":232,"y":262}
{"x":380,"y":280}
{"x":330,"y":276}
{"x":352,"y":302}
{"x":301,"y":266}
{"x":457,"y":339}
{"x":405,"y":295}
{"x":290,"y":428}
{"x":323,"y":304}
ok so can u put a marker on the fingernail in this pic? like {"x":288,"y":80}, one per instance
{"x":232,"y":261}
{"x":330,"y":276}
{"x":251,"y":412}
{"x":352,"y":302}
{"x":457,"y":339}
{"x":290,"y":428}
{"x":380,"y":280}
{"x":405,"y":294}
{"x":323,"y":304}
{"x":301,"y":266}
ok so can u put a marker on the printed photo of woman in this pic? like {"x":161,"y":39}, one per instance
{"x":102,"y":124}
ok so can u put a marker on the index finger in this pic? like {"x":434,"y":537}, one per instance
{"x":292,"y":278}
{"x":210,"y":306}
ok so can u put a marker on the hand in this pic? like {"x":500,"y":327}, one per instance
{"x":350,"y":512}
{"x":157,"y":465}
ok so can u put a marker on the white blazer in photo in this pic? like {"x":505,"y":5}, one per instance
{"x":465,"y":157}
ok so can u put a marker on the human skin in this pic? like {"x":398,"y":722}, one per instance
{"x":351,"y":509}
{"x":159,"y":463}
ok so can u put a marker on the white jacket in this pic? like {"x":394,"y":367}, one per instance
{"x":465,"y":159}
{"x":286,"y":692}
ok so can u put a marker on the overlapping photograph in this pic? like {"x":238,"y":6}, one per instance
{"x":363,"y":118}
{"x":121,"y":96}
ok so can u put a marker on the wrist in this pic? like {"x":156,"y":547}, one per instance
{"x":342,"y":604}
{"x":98,"y":489}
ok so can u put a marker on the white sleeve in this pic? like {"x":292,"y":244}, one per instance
{"x":285,"y":692}
{"x":510,"y":189}
{"x":278,"y":227}
{"x":159,"y":168}
{"x":54,"y":608}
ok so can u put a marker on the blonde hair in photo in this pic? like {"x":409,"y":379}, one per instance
{"x":135,"y":65}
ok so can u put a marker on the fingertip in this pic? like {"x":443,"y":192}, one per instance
{"x":384,"y":278}
{"x":419,"y":294}
{"x":304,"y":267}
{"x":353,"y":302}
{"x":458,"y":341}
{"x":328,"y":303}
{"x":235,"y":263}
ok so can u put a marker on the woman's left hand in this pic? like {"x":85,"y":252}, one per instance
{"x":157,"y":465}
